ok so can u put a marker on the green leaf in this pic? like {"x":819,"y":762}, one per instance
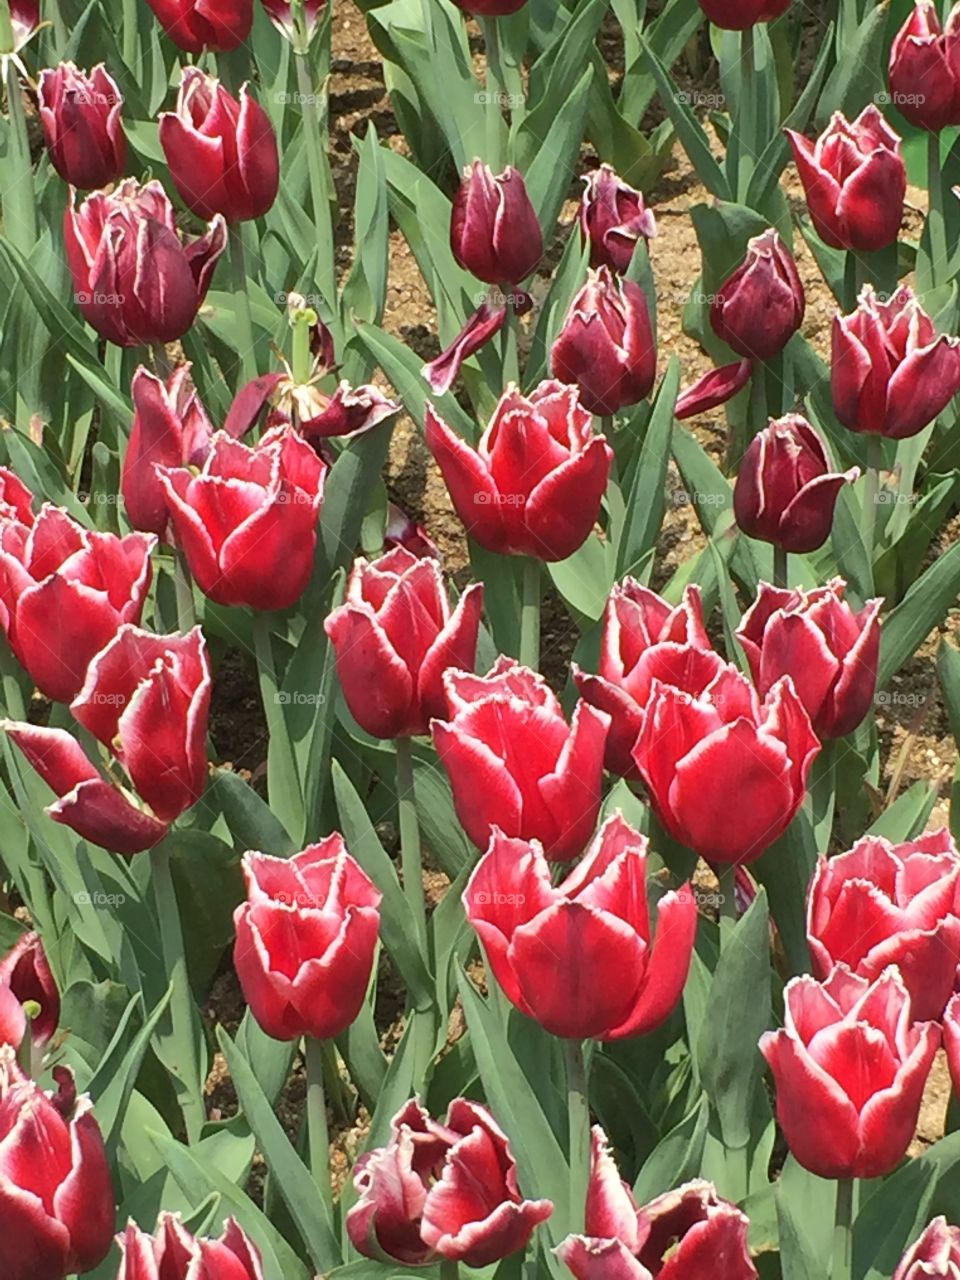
{"x":676,"y":1158}
{"x":113,"y":1082}
{"x":644,"y":508}
{"x":918,"y":613}
{"x":689,"y":130}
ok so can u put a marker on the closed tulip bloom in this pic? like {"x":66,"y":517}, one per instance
{"x":195,"y":25}
{"x":56,"y":1197}
{"x":136,"y":282}
{"x":515,"y":763}
{"x":606,"y":346}
{"x":257,"y":551}
{"x":494,"y":232}
{"x":306,"y":940}
{"x":24,"y":23}
{"x":583,"y":959}
{"x":684,"y":1234}
{"x":760,"y":306}
{"x":25,"y":972}
{"x":738,"y":15}
{"x":64,"y":592}
{"x":696,"y":750}
{"x":644,"y":639}
{"x":395,"y":636}
{"x":173,"y":1253}
{"x":613,"y":217}
{"x":890,"y":372}
{"x":882,"y":904}
{"x":534,"y":483}
{"x":849,"y":1065}
{"x":222,"y":153}
{"x":280,"y":13}
{"x":935,"y":1254}
{"x":82,"y":127}
{"x":829,"y":650}
{"x":854,"y":179}
{"x":925,"y":68}
{"x":786,"y":489}
{"x":442,"y":1191}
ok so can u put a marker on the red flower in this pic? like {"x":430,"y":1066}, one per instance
{"x":613,"y":217}
{"x":738,"y":15}
{"x":515,"y":763}
{"x":25,"y":21}
{"x":195,"y":25}
{"x":760,"y":306}
{"x":442,"y":1191}
{"x":936,"y":1253}
{"x":25,"y":972}
{"x":850,"y":1065}
{"x":16,"y":500}
{"x":714,"y":388}
{"x":490,"y":8}
{"x":494,"y":232}
{"x":172,"y":1253}
{"x":82,"y":127}
{"x":582,"y":959}
{"x":925,"y":68}
{"x":306,"y":940}
{"x":281,"y":15}
{"x":951,"y":1039}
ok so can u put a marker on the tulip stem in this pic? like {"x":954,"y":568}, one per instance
{"x":727,"y":876}
{"x":183,"y":588}
{"x":530,"y":615}
{"x":780,"y":570}
{"x":19,"y":205}
{"x":326,"y":277}
{"x":241,"y":302}
{"x":410,"y":860}
{"x":131,"y":24}
{"x":283,"y":779}
{"x":747,"y":118}
{"x":843,"y":1232}
{"x":495,"y":93}
{"x":871,"y":489}
{"x":318,"y":1137}
{"x":449,"y":1269}
{"x":936,"y":226}
{"x":578,"y":1115}
{"x":162,"y":365}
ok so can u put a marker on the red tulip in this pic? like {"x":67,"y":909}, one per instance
{"x":644,"y":639}
{"x":714,"y":388}
{"x":24,"y":23}
{"x":258,"y":550}
{"x":222,"y":153}
{"x":481,"y":327}
{"x":172,"y":1253}
{"x":64,"y":592}
{"x":442,"y":1191}
{"x":684,"y":1234}
{"x":855,"y":180}
{"x":613,"y":217}
{"x":82,"y":127}
{"x":16,"y":500}
{"x":760,"y":306}
{"x":890,"y":372}
{"x":850,"y":1065}
{"x":348,"y":412}
{"x":403,"y":531}
{"x":280,"y":13}
{"x":951,"y":1039}
{"x":828,"y":650}
{"x":195,"y":25}
{"x":494,"y":232}
{"x":13,"y":1019}
{"x":696,"y":750}
{"x":925,"y":68}
{"x":136,"y":282}
{"x":534,"y":484}
{"x":606,"y":345}
{"x":25,"y":972}
{"x":785,"y":491}
{"x":490,"y":8}
{"x":395,"y":636}
{"x":515,"y":763}
{"x":738,"y":15}
{"x":582,"y":959}
{"x":935,"y":1253}
{"x":306,"y":940}
{"x":56,"y":1198}
{"x":882,"y":904}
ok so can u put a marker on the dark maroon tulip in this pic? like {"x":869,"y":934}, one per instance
{"x":281,"y":15}
{"x":715,"y":388}
{"x":606,"y":345}
{"x":136,"y":281}
{"x":24,"y":22}
{"x":828,"y":649}
{"x":785,"y":491}
{"x":925,"y":68}
{"x":442,"y":1191}
{"x":759,"y":308}
{"x":686,"y":1234}
{"x":82,"y":128}
{"x":890,"y":372}
{"x":738,"y":15}
{"x":485,"y":323}
{"x":25,"y":971}
{"x":195,"y":25}
{"x":855,"y":180}
{"x":173,"y":1253}
{"x":222,"y":153}
{"x":494,"y":232}
{"x":613,"y":217}
{"x":490,"y":8}
{"x":934,"y":1256}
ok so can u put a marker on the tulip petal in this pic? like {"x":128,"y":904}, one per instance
{"x":564,"y":506}
{"x":594,"y":1258}
{"x":471,"y":487}
{"x":376,"y":683}
{"x":889,"y":1119}
{"x":487,"y":796}
{"x":668,"y":964}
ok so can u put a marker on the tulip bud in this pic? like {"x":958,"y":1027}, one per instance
{"x":855,"y":180}
{"x":890,"y":372}
{"x":25,"y":971}
{"x":935,"y":1254}
{"x":24,"y":22}
{"x":829,"y":651}
{"x":281,"y":14}
{"x":58,"y":1205}
{"x":696,"y":749}
{"x":494,"y":232}
{"x":904,"y":899}
{"x":442,"y":1191}
{"x":82,"y":127}
{"x":490,"y":8}
{"x":222,"y":152}
{"x":195,"y":25}
{"x":606,"y":346}
{"x":613,"y":217}
{"x":548,"y":773}
{"x":306,"y":940}
{"x":534,"y":484}
{"x":64,"y":592}
{"x":739,"y":15}
{"x":172,"y":1253}
{"x":136,"y":282}
{"x":785,"y":492}
{"x":925,"y":68}
{"x":759,"y":308}
{"x":850,"y":1065}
